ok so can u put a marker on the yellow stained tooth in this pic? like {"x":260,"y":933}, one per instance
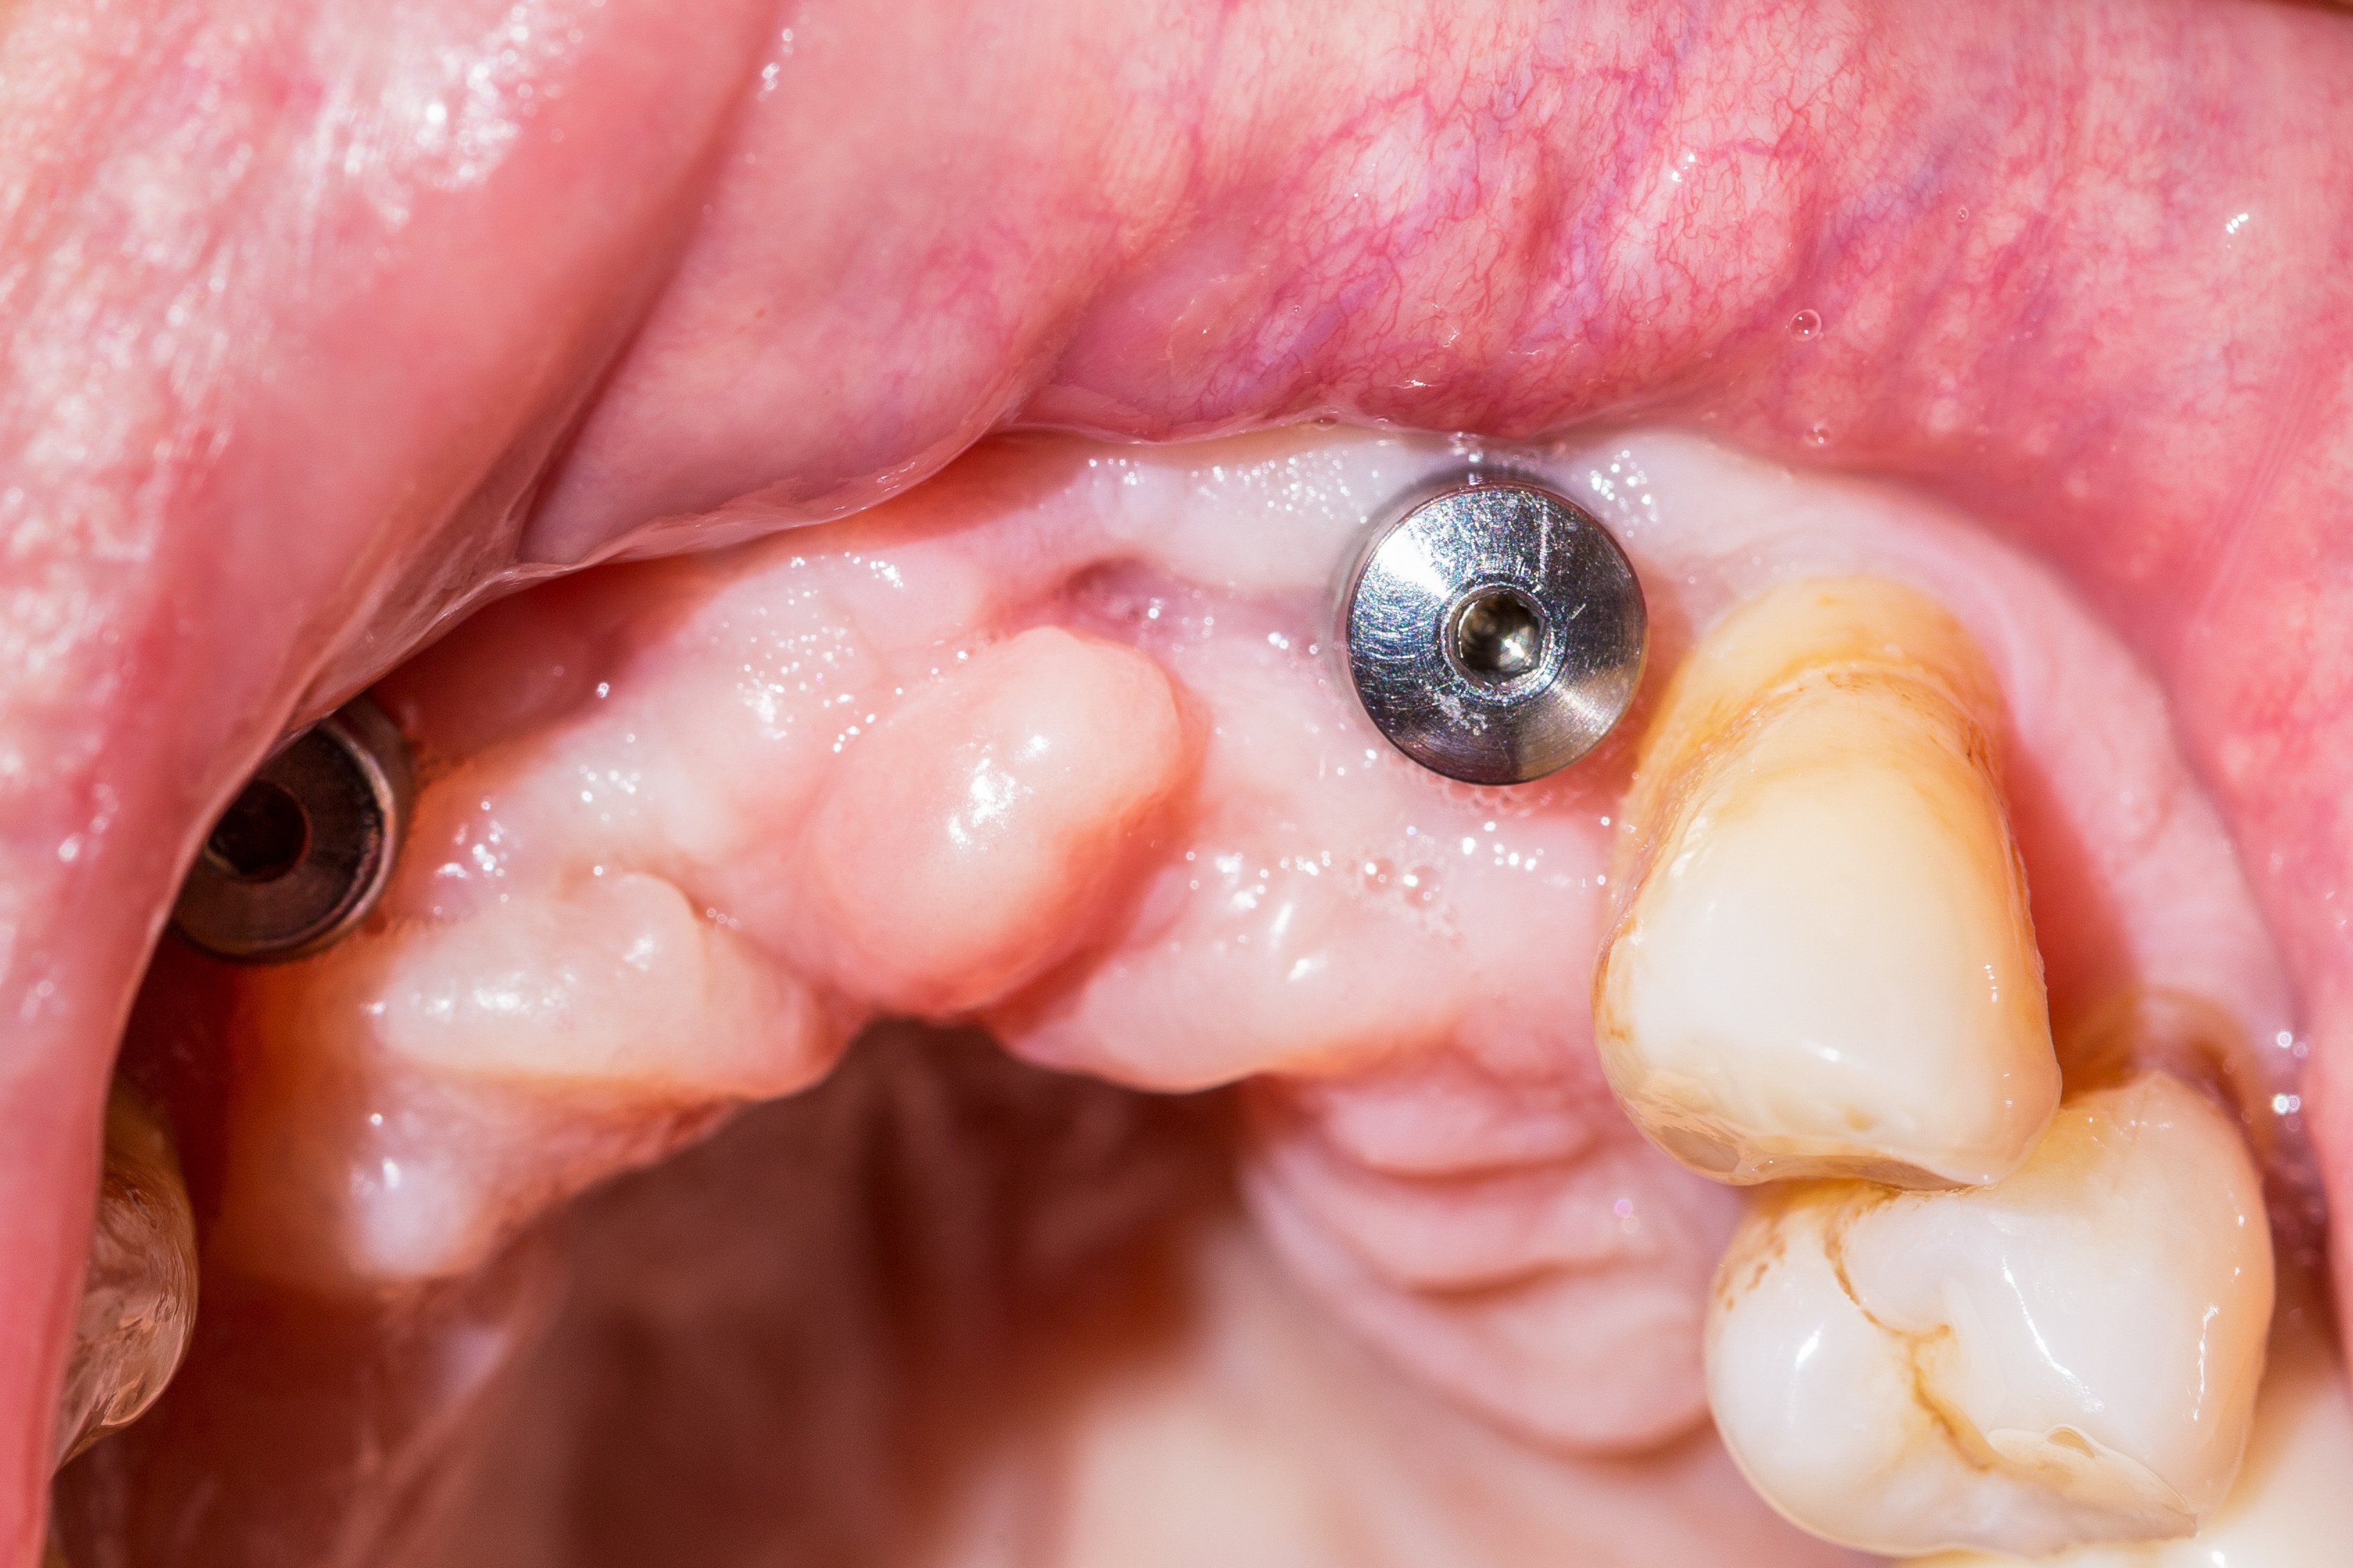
{"x":1824,"y":964}
{"x":2069,"y":1355}
{"x":139,"y":1296}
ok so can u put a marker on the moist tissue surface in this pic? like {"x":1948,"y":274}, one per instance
{"x":322,"y":319}
{"x":1057,"y":743}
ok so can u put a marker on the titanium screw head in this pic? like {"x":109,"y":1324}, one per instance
{"x":1494,"y":631}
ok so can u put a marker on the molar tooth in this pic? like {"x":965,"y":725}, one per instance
{"x":1824,"y":964}
{"x":2068,"y":1355}
{"x":2290,"y":1509}
{"x":139,"y":1294}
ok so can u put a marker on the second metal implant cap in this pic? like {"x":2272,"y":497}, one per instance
{"x":1495,"y":632}
{"x":302,"y":855}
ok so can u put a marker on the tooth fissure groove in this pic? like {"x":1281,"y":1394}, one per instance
{"x":2069,"y":1354}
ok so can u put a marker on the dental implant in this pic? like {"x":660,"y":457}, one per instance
{"x":302,"y":853}
{"x":1494,"y":631}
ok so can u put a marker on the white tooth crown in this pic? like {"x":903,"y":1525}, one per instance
{"x":2069,"y":1355}
{"x":2291,"y":1507}
{"x":1824,"y":964}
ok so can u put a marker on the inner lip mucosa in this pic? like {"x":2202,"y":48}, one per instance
{"x":1053,"y":753}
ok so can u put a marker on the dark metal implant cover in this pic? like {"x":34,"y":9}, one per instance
{"x":1494,"y":631}
{"x":302,"y":855}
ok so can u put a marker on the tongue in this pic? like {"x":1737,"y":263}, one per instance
{"x":304,"y":329}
